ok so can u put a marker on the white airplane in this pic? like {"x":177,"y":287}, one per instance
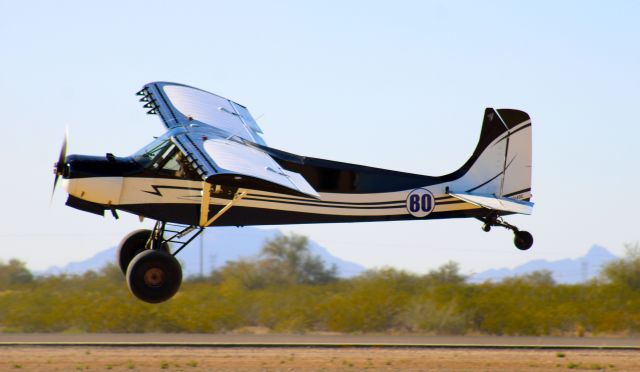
{"x":212,"y":168}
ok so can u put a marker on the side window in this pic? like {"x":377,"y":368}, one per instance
{"x":162,"y":158}
{"x":174,"y":164}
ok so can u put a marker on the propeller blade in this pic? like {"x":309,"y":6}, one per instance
{"x":59,"y":166}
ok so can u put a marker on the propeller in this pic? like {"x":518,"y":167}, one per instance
{"x":58,"y":167}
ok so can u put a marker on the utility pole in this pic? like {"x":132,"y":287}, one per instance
{"x":585,"y":270}
{"x":201,"y":253}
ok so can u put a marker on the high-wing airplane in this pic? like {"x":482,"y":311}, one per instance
{"x":213,"y":168}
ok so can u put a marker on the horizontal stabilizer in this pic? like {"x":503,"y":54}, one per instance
{"x":495,"y":203}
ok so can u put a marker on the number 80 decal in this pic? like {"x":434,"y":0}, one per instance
{"x":420,"y":203}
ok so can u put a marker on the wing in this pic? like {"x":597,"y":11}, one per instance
{"x":218,"y":138}
{"x":181,"y":105}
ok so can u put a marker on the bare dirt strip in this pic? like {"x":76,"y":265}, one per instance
{"x":216,"y":358}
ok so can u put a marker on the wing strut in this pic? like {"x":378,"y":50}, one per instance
{"x":204,"y":207}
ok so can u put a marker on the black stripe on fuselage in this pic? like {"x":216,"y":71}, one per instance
{"x":278,"y":197}
{"x":326,"y":206}
{"x":189,"y":214}
{"x":320,"y":202}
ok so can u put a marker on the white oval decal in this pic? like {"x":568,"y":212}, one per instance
{"x":420,"y":202}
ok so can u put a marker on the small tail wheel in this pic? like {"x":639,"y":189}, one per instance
{"x":154,"y":276}
{"x":132,"y":244}
{"x":522,"y":239}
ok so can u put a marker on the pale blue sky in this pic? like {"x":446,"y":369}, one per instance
{"x":398,"y":85}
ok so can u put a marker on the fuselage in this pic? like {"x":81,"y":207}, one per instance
{"x":349,"y":193}
{"x":160,"y":182}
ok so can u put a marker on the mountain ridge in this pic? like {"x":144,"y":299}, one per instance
{"x":565,"y":271}
{"x":237,"y":243}
{"x":223,"y":244}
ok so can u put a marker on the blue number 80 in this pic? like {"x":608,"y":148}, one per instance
{"x":422,"y":203}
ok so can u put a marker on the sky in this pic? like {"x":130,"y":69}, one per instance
{"x":400,"y":86}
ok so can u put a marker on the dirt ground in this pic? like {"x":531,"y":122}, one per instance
{"x":92,"y":358}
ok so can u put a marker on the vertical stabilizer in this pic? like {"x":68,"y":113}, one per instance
{"x":501,"y":163}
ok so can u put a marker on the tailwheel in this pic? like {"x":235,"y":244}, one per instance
{"x":134,"y":243}
{"x":522,"y":239}
{"x":154,"y":276}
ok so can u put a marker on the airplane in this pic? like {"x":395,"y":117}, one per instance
{"x":213,"y":168}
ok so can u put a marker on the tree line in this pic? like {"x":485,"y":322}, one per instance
{"x":288,"y":289}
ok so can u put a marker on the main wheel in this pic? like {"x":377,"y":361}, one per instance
{"x":154,"y":276}
{"x":523,"y":240}
{"x":132,"y":244}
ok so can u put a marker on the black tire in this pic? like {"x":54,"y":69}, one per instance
{"x":154,"y":276}
{"x":523,"y":240}
{"x":132,"y":244}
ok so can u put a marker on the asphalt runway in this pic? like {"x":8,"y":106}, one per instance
{"x":316,"y":340}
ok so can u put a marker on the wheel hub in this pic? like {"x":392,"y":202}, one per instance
{"x":154,"y":277}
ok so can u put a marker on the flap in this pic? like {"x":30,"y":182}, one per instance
{"x":249,"y":167}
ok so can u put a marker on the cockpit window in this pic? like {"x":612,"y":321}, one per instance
{"x":162,"y":158}
{"x":149,"y":154}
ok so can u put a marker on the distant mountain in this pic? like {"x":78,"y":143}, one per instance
{"x":219,"y":245}
{"x":568,"y":271}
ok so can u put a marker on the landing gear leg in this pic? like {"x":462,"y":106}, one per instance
{"x":134,"y":243}
{"x":153,"y":273}
{"x":523,"y":240}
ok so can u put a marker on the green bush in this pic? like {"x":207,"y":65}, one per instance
{"x":286,"y":289}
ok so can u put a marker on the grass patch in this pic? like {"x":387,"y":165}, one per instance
{"x":593,"y":366}
{"x":560,"y":354}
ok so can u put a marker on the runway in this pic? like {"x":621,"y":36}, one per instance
{"x":316,"y":340}
{"x":327,"y":352}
